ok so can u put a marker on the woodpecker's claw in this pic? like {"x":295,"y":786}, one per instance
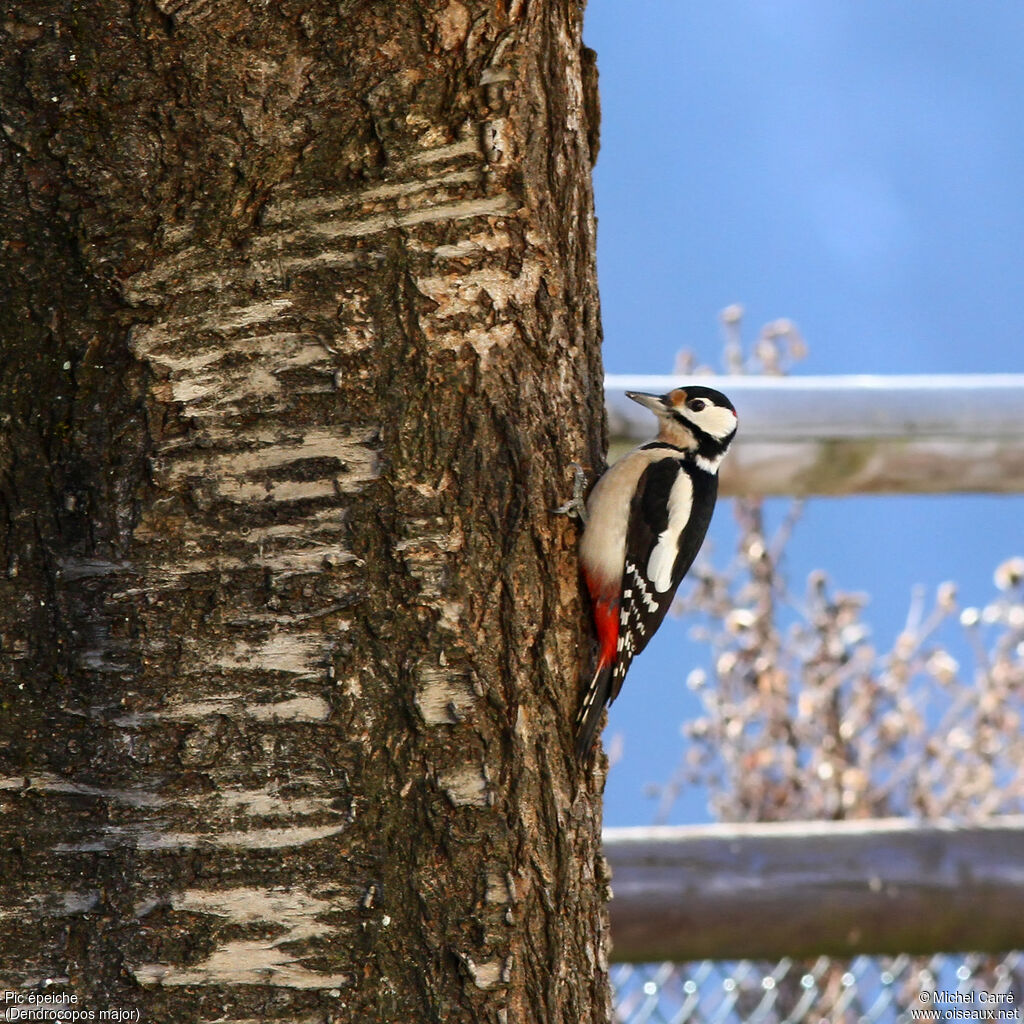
{"x":575,"y":507}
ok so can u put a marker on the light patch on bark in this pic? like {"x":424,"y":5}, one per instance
{"x":285,"y":348}
{"x":199,"y":359}
{"x":287,"y":210}
{"x":496,"y":143}
{"x":453,"y":25}
{"x":434,"y":541}
{"x":467,"y":146}
{"x":299,"y":227}
{"x":444,"y":698}
{"x":499,"y":888}
{"x":301,"y":655}
{"x":424,"y":547}
{"x":489,"y":974}
{"x":282,"y":563}
{"x":140,"y":838}
{"x":460,"y":294}
{"x":335,"y":259}
{"x":282,"y":619}
{"x":304,"y":544}
{"x":522,"y":727}
{"x":298,"y":709}
{"x":236,"y":706}
{"x":267,"y":802}
{"x":186,"y":271}
{"x":482,"y":340}
{"x":225,"y":804}
{"x":61,"y":904}
{"x":574,"y":107}
{"x":451,"y":615}
{"x":136,"y":797}
{"x":466,"y":786}
{"x":183,"y":9}
{"x":83,"y":568}
{"x":276,"y":493}
{"x":488,"y":206}
{"x":463,"y":292}
{"x":146,"y":341}
{"x":223,"y":392}
{"x":493,"y":240}
{"x":269,"y":357}
{"x":240,"y":475}
{"x":70,"y":903}
{"x":253,"y":961}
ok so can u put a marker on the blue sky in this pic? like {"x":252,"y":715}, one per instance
{"x":857,"y":167}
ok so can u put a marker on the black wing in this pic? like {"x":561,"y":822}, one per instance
{"x":643,"y":607}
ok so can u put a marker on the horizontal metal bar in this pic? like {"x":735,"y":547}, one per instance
{"x":862,"y":434}
{"x":847,"y":408}
{"x":805,"y":889}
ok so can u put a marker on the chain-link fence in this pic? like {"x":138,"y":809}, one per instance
{"x":864,"y":990}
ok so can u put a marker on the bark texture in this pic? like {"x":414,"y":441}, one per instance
{"x":299,"y":336}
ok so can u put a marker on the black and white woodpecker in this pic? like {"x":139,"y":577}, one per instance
{"x":645,"y":522}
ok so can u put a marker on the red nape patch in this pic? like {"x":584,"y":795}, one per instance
{"x":606,"y":618}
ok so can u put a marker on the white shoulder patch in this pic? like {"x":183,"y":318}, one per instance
{"x":709,"y":465}
{"x":663,"y":556}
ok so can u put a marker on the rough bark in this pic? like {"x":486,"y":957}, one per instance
{"x":299,"y":337}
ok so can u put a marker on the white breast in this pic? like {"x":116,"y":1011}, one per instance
{"x":603,"y":546}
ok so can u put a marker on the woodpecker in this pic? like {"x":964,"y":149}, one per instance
{"x":645,"y":522}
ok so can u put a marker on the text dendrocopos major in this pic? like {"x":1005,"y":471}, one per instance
{"x":645,"y":522}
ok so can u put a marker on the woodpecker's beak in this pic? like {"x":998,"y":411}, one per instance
{"x":656,"y":403}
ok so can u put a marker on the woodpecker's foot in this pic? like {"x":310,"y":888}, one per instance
{"x":575,"y":507}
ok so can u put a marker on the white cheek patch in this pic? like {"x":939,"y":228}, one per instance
{"x":663,"y":556}
{"x":714,"y":420}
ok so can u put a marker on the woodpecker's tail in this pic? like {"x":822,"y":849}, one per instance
{"x":589,"y":721}
{"x":606,"y":620}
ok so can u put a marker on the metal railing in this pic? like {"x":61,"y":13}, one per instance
{"x":800,"y":889}
{"x":855,"y":435}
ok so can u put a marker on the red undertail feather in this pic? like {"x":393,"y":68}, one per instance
{"x":606,"y":619}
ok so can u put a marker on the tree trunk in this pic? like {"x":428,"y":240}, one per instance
{"x":299,"y":337}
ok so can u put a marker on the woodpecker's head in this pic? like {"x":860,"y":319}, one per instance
{"x":696,"y":418}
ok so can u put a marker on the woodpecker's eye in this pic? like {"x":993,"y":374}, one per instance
{"x":696,"y":404}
